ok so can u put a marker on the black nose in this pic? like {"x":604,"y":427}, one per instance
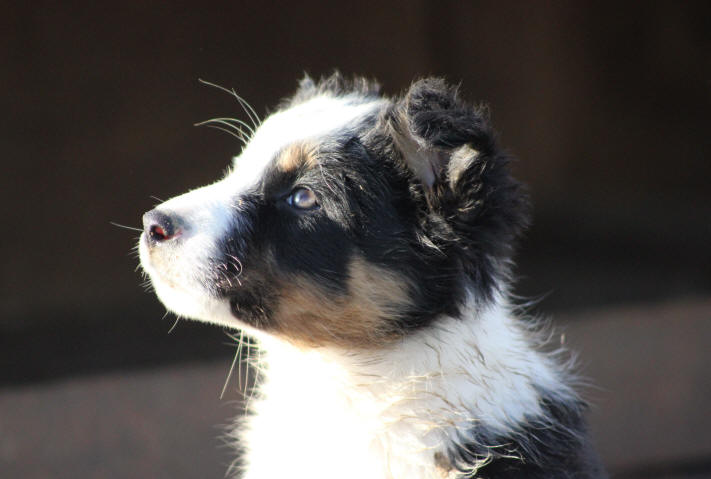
{"x":160,"y":226}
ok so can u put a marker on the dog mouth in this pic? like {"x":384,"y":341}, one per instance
{"x":189,"y":290}
{"x":178,"y":270}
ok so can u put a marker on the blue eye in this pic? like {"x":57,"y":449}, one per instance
{"x":302,"y":198}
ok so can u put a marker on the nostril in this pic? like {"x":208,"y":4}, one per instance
{"x":160,"y":227}
{"x":157,"y":233}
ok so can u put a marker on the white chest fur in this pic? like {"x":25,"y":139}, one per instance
{"x":389,"y":414}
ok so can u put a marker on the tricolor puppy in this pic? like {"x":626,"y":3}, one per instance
{"x":365,"y":243}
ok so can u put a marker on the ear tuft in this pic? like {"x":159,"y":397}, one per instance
{"x":462,"y":159}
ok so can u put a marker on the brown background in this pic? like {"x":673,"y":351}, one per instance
{"x":606,"y":105}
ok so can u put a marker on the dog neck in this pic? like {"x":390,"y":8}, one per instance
{"x":456,"y":384}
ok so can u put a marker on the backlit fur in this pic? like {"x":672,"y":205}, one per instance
{"x":389,"y":348}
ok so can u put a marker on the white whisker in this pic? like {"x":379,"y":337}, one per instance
{"x":253,"y":117}
{"x":229,"y":132}
{"x":126,"y":227}
{"x":232,"y":368}
{"x":239,"y":124}
{"x":177,"y":318}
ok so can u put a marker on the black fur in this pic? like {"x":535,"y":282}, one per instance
{"x":554,"y":445}
{"x":441,"y":238}
{"x":478,"y":219}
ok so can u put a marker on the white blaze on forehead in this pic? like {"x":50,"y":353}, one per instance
{"x":320,"y":116}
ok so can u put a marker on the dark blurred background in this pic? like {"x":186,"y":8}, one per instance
{"x":606,"y":105}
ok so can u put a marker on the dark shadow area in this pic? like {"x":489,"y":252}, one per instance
{"x":688,"y":468}
{"x":69,"y":344}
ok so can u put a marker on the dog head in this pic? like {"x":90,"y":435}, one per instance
{"x":348,"y":219}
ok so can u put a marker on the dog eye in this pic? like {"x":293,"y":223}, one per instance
{"x":302,"y":198}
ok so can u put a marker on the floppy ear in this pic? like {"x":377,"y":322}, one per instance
{"x":452,"y":152}
{"x":430,"y":125}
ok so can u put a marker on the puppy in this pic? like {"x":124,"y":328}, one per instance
{"x":365,"y":243}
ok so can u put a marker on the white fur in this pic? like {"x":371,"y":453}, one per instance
{"x":315,"y":118}
{"x":384,"y":414}
{"x":177,"y":274}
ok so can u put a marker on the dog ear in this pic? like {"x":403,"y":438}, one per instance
{"x":452,"y":152}
{"x":437,"y":134}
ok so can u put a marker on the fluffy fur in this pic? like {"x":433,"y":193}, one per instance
{"x":365,"y":243}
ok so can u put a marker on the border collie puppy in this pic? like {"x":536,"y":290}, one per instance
{"x":365,"y":243}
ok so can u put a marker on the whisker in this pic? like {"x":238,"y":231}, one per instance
{"x":243,"y":382}
{"x":248,"y":394}
{"x":257,"y":372}
{"x":177,"y":318}
{"x":253,"y":117}
{"x":238,"y":263}
{"x":229,"y":132}
{"x":251,"y":113}
{"x":147,"y":286}
{"x":227,"y":278}
{"x":133,"y":252}
{"x":156,"y":198}
{"x":240,"y":123}
{"x":126,"y":227}
{"x":229,"y":122}
{"x":232,"y":368}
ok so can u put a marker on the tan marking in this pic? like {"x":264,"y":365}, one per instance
{"x":462,"y":159}
{"x":296,"y":156}
{"x":362,"y":318}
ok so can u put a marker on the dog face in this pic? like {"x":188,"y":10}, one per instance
{"x":348,"y":219}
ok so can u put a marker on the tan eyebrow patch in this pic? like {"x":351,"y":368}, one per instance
{"x":364,"y":317}
{"x":297,"y":156}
